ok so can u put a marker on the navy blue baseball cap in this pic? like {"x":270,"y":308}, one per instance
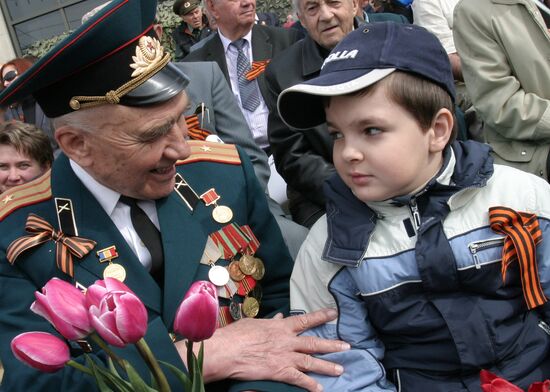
{"x":365,"y":56}
{"x":113,"y":58}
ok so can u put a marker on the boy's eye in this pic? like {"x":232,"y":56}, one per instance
{"x":335,"y":135}
{"x":373,"y":131}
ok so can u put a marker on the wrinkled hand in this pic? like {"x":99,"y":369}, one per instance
{"x":270,"y":349}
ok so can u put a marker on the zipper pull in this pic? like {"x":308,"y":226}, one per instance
{"x":473,"y":251}
{"x":415,"y":214}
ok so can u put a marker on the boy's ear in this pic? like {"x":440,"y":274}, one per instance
{"x":73,"y":143}
{"x":442,"y":128}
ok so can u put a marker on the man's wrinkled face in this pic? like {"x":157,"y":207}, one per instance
{"x":234,"y":14}
{"x":134,"y":150}
{"x":193,"y":18}
{"x":327,"y":21}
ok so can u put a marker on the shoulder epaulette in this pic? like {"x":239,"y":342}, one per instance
{"x":32,"y":192}
{"x":212,"y":152}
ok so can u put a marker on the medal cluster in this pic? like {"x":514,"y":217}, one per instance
{"x":237,"y":282}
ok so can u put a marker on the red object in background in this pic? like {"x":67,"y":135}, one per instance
{"x":492,"y":383}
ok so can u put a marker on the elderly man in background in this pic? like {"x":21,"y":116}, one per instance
{"x":193,"y":28}
{"x":304,"y":159}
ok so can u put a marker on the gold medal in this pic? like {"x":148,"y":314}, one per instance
{"x":259,"y":271}
{"x":247,"y":264}
{"x":251,"y":307}
{"x":116,"y":271}
{"x":222,"y":214}
{"x":235,"y":271}
{"x":218,"y":275}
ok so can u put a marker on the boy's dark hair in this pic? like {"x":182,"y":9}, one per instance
{"x":27,"y":139}
{"x":418,"y":96}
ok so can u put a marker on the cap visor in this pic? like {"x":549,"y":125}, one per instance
{"x":301,"y":106}
{"x":162,"y":86}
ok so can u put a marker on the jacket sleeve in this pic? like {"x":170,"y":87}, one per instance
{"x":492,"y":85}
{"x":231,"y":125}
{"x":299,"y":164}
{"x":309,"y":291}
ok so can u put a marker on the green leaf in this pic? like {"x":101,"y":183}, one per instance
{"x":137,"y":382}
{"x":99,"y":379}
{"x":111,"y":367}
{"x":201,"y":356}
{"x":182,"y":377}
{"x":198,"y":384}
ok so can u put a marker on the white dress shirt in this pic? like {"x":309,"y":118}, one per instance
{"x":257,"y":120}
{"x":120,"y":213}
{"x":436,"y":16}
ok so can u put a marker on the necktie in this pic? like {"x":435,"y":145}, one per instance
{"x":147,"y":231}
{"x":248,"y":89}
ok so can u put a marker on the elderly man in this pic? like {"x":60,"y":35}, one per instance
{"x":240,"y":46}
{"x":193,"y":28}
{"x":117,"y":101}
{"x":304,"y":159}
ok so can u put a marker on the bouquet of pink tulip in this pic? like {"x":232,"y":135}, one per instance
{"x":492,"y":383}
{"x":111,"y":314}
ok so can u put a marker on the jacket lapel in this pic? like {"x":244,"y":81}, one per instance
{"x":184,"y":239}
{"x":216,"y":53}
{"x":262,"y":49}
{"x":93,"y":223}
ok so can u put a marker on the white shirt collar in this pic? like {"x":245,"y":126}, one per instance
{"x":106,"y":197}
{"x":226,"y":41}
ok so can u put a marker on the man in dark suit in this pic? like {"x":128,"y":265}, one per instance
{"x":236,"y":22}
{"x":304,"y":159}
{"x":117,"y":104}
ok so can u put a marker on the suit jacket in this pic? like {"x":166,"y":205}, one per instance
{"x":224,"y":117}
{"x":184,"y":234}
{"x":267,"y":41}
{"x":303,"y":158}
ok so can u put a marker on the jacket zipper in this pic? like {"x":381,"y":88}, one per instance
{"x":476,"y":246}
{"x":415,"y":214}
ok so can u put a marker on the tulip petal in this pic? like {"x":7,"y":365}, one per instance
{"x":131,"y":317}
{"x":105,"y":326}
{"x":40,"y":350}
{"x":197,"y":315}
{"x":67,"y":302}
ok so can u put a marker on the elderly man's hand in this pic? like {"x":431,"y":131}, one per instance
{"x":270,"y":349}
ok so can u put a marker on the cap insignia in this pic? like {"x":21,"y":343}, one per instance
{"x":148,"y":54}
{"x":187,"y":4}
{"x":149,"y":59}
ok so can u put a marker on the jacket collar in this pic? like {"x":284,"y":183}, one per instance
{"x":350,"y":222}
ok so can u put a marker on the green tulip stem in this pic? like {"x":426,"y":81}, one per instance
{"x":153,"y":364}
{"x":78,"y":366}
{"x":101,"y":343}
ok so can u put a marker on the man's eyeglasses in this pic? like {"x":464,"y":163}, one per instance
{"x":9,"y":76}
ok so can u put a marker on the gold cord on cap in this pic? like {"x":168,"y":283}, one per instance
{"x":149,"y":59}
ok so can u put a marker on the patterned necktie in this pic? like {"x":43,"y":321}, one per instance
{"x":248,"y":89}
{"x":147,"y":232}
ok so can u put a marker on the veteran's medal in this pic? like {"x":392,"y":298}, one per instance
{"x":221,"y":214}
{"x":247,"y":264}
{"x":235,"y":310}
{"x":113,"y":270}
{"x":259,"y":270}
{"x":251,"y":307}
{"x":235,"y":271}
{"x":218,"y":275}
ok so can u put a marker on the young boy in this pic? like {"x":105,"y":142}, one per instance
{"x":435,"y":258}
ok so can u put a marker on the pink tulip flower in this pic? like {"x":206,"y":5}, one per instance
{"x":119,"y":317}
{"x":197,"y":315}
{"x":492,"y":383}
{"x":64,"y":306}
{"x":41,"y":350}
{"x":97,"y":291}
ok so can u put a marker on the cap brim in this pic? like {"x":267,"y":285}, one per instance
{"x":301,"y":106}
{"x":162,"y":86}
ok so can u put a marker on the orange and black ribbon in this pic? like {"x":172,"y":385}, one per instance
{"x":522,"y":236}
{"x":42,"y":231}
{"x":258,"y":67}
{"x":194,"y":131}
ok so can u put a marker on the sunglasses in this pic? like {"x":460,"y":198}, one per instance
{"x":9,"y":76}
